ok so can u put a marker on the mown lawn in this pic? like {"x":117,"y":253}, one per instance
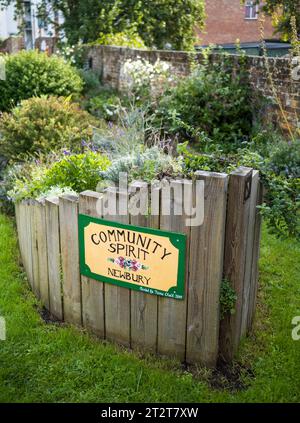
{"x":57,"y":363}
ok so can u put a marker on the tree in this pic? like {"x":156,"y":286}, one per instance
{"x":157,"y":22}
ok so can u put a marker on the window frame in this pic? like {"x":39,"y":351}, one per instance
{"x":255,"y":9}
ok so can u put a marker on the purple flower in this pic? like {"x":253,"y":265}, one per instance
{"x":94,"y":148}
{"x":66,"y":152}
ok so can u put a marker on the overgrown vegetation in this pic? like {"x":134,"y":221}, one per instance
{"x":35,"y":178}
{"x":211,"y":107}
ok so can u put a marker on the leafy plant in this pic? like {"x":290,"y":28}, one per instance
{"x":35,"y":179}
{"x":56,"y":191}
{"x":43,"y":124}
{"x":30,"y":73}
{"x":127,"y":38}
{"x":129,"y":135}
{"x":159,"y":22}
{"x":106,"y":105}
{"x":211,"y":107}
{"x":79,"y":171}
{"x":284,"y":159}
{"x":281,"y":200}
{"x":91,"y":82}
{"x":281,"y":205}
{"x":150,"y":164}
{"x":228,"y":299}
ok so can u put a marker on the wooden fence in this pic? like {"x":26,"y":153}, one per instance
{"x":226,"y":245}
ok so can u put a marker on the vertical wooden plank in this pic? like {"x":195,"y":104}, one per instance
{"x":117,"y":299}
{"x":19,"y":210}
{"x":27,"y":245}
{"x":68,"y":217}
{"x":41,"y":234}
{"x":255,"y":259}
{"x":29,"y":236}
{"x":32,"y":212}
{"x":17,"y":215}
{"x":249,"y":252}
{"x":206,"y":269}
{"x":143,"y":306}
{"x":172,"y":314}
{"x":90,"y":203}
{"x":238,"y":207}
{"x":53,"y":255}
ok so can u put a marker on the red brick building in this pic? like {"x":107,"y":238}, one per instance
{"x":229,"y":20}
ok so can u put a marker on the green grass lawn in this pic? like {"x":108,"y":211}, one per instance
{"x":58,"y":363}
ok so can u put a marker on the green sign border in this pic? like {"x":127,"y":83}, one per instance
{"x":178,"y":240}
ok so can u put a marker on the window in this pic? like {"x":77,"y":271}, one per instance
{"x":251,"y":10}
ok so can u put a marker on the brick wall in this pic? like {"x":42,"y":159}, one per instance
{"x":225,"y":23}
{"x":107,"y":62}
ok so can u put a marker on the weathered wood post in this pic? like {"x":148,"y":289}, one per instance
{"x":54,"y":259}
{"x":93,"y":312}
{"x":68,"y":217}
{"x":205,"y":272}
{"x":143,"y":306}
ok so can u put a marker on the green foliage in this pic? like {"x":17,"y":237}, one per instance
{"x":281,"y":205}
{"x":158,"y":22}
{"x":284,"y":159}
{"x":29,"y":74}
{"x":77,"y":172}
{"x":129,"y":135}
{"x":192,"y":162}
{"x":127,"y":38}
{"x":281,"y":200}
{"x":44,"y":124}
{"x":75,"y":55}
{"x":91,"y":82}
{"x":284,"y":10}
{"x":106,"y":105}
{"x":148,"y":165}
{"x":228,"y":299}
{"x":212,"y":107}
{"x":281,"y":178}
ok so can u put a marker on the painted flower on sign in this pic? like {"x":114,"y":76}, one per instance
{"x":129,"y":264}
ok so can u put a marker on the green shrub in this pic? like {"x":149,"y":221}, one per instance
{"x":284,"y":159}
{"x":281,"y":205}
{"x":209,"y":107}
{"x":127,"y":38}
{"x":76,"y":172}
{"x":91,"y":81}
{"x":106,"y":105}
{"x":281,"y":200}
{"x":43,"y":124}
{"x":29,"y":74}
{"x":79,"y":172}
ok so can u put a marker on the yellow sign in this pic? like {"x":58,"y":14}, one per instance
{"x":147,"y":260}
